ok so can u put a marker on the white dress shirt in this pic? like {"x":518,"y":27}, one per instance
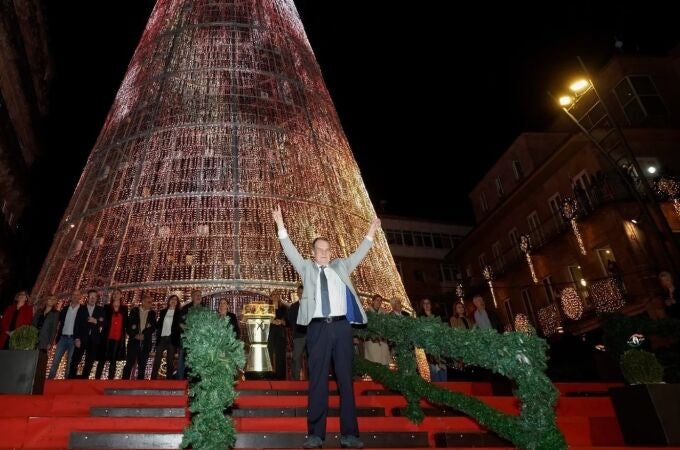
{"x":167,"y":323}
{"x":70,"y":320}
{"x":336,"y":293}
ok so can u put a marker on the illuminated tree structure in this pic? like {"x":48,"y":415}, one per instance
{"x":222,"y":114}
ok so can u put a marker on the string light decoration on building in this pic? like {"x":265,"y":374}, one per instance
{"x":670,"y":188}
{"x":522,"y":324}
{"x":570,"y":213}
{"x":525,"y":246}
{"x":460,"y":292}
{"x":222,"y":114}
{"x":488,"y":276}
{"x":572,"y":305}
{"x":550,"y":319}
{"x":606,"y":295}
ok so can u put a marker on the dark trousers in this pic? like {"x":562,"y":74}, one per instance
{"x":89,"y":346}
{"x":110,"y":355}
{"x":277,"y":350}
{"x":164,"y":343}
{"x":298,"y":351}
{"x":326,"y":341}
{"x":137,"y":353}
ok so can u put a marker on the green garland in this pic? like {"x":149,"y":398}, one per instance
{"x":618,"y":328}
{"x":520,"y":357}
{"x":641,"y":367}
{"x":213,"y":356}
{"x":24,"y":338}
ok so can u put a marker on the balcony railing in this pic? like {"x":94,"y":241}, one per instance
{"x":550,"y":228}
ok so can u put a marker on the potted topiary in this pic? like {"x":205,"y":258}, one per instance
{"x":23,"y":366}
{"x":648,"y":410}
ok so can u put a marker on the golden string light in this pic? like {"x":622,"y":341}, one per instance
{"x":522,"y":324}
{"x":525,"y":246}
{"x":460,"y":293}
{"x":670,"y":188}
{"x":550,"y":319}
{"x":606,"y":295}
{"x":570,"y":213}
{"x":178,"y":190}
{"x":488,"y":275}
{"x":572,"y":305}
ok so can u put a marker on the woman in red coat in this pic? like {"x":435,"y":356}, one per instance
{"x":18,"y":314}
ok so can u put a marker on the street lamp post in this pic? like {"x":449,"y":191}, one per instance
{"x":608,"y":147}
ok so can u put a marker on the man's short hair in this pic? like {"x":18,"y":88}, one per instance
{"x":320,"y":238}
{"x":92,"y":291}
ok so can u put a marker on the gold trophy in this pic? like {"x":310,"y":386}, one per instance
{"x":258,"y":317}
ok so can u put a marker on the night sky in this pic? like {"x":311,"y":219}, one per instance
{"x":429,"y":95}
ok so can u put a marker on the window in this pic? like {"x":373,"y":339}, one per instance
{"x":393,"y":237}
{"x":513,"y":237}
{"x":580,"y":283}
{"x":547,"y":288}
{"x":528,"y":307}
{"x":499,"y":264}
{"x":408,"y":238}
{"x":437,"y":241}
{"x":517,"y":169}
{"x":483,"y":203}
{"x":447,"y":272}
{"x":555,"y":203}
{"x":508,"y":312}
{"x":482,"y":261}
{"x":535,"y":231}
{"x":605,"y":255}
{"x":639,"y":99}
{"x":499,"y":187}
{"x":419,"y":275}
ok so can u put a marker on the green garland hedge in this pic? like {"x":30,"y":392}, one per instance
{"x":519,"y":357}
{"x":214,"y":356}
{"x":24,"y":338}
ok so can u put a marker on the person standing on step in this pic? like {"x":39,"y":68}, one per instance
{"x":328,"y":306}
{"x":276,"y":343}
{"x":88,"y":333}
{"x":168,"y":334}
{"x":299,"y":333}
{"x":141,"y":325}
{"x":113,"y":348}
{"x":196,"y":299}
{"x":65,"y":339}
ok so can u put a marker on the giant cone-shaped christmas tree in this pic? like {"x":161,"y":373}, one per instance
{"x":222,"y":113}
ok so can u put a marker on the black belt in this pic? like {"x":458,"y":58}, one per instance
{"x":66,"y":335}
{"x":329,"y":319}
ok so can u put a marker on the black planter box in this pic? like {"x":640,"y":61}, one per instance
{"x":648,"y":414}
{"x":23,"y":371}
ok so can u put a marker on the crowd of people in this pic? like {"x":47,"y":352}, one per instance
{"x":85,"y":332}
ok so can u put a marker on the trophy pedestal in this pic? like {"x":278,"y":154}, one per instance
{"x":258,"y":317}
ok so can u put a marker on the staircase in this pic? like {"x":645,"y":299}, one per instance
{"x":90,"y":414}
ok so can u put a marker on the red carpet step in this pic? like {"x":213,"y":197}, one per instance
{"x":271,"y":414}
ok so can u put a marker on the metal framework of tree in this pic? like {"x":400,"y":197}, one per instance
{"x":223,"y":112}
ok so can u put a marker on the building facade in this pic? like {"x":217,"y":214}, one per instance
{"x":608,"y":257}
{"x":26,"y":70}
{"x":420,"y":248}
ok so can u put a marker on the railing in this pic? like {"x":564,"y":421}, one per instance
{"x":593,"y":198}
{"x":518,"y":356}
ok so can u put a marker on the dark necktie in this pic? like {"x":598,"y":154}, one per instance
{"x":325,"y":300}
